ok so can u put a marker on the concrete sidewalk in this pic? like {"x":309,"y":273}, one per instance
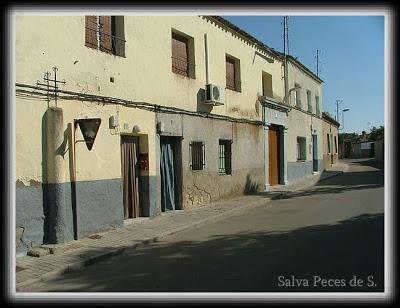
{"x":141,"y":231}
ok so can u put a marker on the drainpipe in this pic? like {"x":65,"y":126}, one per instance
{"x":264,"y":154}
{"x":286,"y":81}
{"x":263,"y":128}
{"x":206,"y":56}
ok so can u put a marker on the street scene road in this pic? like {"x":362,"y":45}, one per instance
{"x":326,"y":238}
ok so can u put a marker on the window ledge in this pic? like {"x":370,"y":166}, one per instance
{"x":184,"y":76}
{"x":233,"y":90}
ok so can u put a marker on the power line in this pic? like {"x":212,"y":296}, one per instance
{"x":71,"y":95}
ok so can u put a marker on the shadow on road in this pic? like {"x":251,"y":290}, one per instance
{"x":347,"y":181}
{"x":245,"y":262}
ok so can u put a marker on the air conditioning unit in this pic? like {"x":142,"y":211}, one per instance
{"x":214,"y":95}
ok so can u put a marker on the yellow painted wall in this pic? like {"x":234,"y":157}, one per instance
{"x":328,"y":128}
{"x":144,"y":75}
{"x":103,"y":161}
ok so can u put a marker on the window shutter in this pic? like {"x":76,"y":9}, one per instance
{"x":91,"y":31}
{"x":230,"y":74}
{"x":179,"y":56}
{"x":119,"y":32}
{"x":105,"y":33}
{"x":267,"y":84}
{"x":198,"y":155}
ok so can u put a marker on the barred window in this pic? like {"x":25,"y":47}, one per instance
{"x":225,"y":157}
{"x":197,"y":154}
{"x":105,"y":33}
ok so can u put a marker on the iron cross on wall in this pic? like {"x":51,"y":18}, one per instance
{"x":48,"y":80}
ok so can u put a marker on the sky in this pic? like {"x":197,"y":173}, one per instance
{"x":351,"y":60}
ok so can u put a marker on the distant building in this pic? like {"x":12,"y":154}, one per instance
{"x":330,"y":132}
{"x":358,"y":146}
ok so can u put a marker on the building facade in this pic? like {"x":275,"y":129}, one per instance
{"x":331,"y":138}
{"x":123,"y":117}
{"x":305,"y":122}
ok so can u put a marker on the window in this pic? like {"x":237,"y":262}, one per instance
{"x":301,"y":148}
{"x":297,"y":98}
{"x":317,"y":105}
{"x":309,"y":101}
{"x":197,"y":154}
{"x":329,"y":143}
{"x":224,"y":157}
{"x":267,"y":84}
{"x":232,"y":73}
{"x":336,"y":151}
{"x":105,"y":33}
{"x":182,"y":54}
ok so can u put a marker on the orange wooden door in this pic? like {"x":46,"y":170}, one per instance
{"x":273,"y":142}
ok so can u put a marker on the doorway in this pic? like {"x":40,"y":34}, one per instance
{"x":130,"y":175}
{"x":315,"y":152}
{"x":170,"y":170}
{"x":274,"y":154}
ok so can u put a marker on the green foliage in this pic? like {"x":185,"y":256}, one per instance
{"x":342,"y":136}
{"x":376,"y":133}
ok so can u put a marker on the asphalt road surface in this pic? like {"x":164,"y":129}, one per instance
{"x":328,"y":238}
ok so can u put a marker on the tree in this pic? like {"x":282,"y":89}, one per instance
{"x":376,"y":133}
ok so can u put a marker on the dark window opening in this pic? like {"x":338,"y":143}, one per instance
{"x":197,"y":154}
{"x":267,"y":84}
{"x":233,"y":74}
{"x":329,"y":143}
{"x":183,"y":55}
{"x":180,"y":56}
{"x":225,"y":157}
{"x":301,"y":148}
{"x":336,"y":149}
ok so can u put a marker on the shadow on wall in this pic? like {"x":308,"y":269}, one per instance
{"x":244,"y":261}
{"x":251,"y":187}
{"x":201,"y":97}
{"x":46,"y":224}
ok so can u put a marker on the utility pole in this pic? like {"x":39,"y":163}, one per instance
{"x":285,"y":35}
{"x":337,"y":109}
{"x":317,"y":57}
{"x":285,"y":52}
